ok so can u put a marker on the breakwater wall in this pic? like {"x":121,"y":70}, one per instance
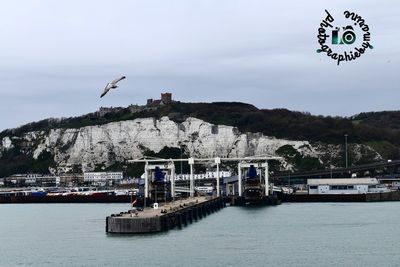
{"x":388,"y":196}
{"x":370,"y":197}
{"x":66,"y":199}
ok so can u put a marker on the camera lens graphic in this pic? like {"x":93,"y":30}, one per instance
{"x":348,"y":37}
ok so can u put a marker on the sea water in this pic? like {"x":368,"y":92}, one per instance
{"x":301,"y":234}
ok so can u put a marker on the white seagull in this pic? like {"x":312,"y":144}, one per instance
{"x":111,"y":85}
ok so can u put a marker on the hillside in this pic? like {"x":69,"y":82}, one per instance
{"x":52,"y":142}
{"x":281,"y":123}
{"x":383,"y":119}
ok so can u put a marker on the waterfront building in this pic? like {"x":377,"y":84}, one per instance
{"x":32,"y":179}
{"x":102,"y":178}
{"x":71,"y":179}
{"x":344,"y":186}
{"x":206,"y":175}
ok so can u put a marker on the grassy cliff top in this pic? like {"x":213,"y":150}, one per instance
{"x":282,"y":123}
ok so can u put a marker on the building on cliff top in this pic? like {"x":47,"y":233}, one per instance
{"x":106,"y":110}
{"x":166,"y":99}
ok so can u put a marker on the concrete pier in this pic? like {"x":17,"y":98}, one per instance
{"x":172,"y":215}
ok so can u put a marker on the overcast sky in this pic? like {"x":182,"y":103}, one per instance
{"x":56,"y":56}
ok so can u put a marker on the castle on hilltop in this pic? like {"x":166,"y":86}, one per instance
{"x":152,"y":104}
{"x":166,"y":99}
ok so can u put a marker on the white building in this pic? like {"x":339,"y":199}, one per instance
{"x":207,"y":175}
{"x":47,"y":180}
{"x":343,"y":186}
{"x":32,"y":179}
{"x":102,"y":176}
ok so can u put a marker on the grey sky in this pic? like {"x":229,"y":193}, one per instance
{"x":56,"y":56}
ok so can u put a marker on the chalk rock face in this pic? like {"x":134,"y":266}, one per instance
{"x":106,"y":144}
{"x":6,"y":143}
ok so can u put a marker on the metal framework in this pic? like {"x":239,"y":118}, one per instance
{"x":242,"y":163}
{"x":148,"y":168}
{"x":257,"y":165}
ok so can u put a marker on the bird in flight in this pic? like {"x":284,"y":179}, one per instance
{"x":111,"y":85}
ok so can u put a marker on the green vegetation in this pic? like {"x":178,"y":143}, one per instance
{"x":14,"y":161}
{"x":42,"y":164}
{"x":130,"y":169}
{"x":302,"y":163}
{"x":382,"y":119}
{"x":385,"y":148}
{"x":286,"y":151}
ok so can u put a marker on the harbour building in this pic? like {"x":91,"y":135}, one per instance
{"x":344,"y":186}
{"x":102,"y":178}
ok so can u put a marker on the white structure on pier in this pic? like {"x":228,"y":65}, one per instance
{"x":244,"y":167}
{"x":168,"y":164}
{"x":206,"y":175}
{"x":98,"y":177}
{"x":343,"y":186}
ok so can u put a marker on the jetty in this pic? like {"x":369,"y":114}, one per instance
{"x":161,"y":218}
{"x":252,"y":187}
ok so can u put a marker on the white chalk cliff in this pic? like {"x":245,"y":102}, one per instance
{"x":119,"y":141}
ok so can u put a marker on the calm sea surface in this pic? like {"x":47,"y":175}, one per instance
{"x":310,"y":234}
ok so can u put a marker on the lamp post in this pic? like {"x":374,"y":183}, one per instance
{"x":218,"y":161}
{"x":345,"y":138}
{"x":180,"y":146}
